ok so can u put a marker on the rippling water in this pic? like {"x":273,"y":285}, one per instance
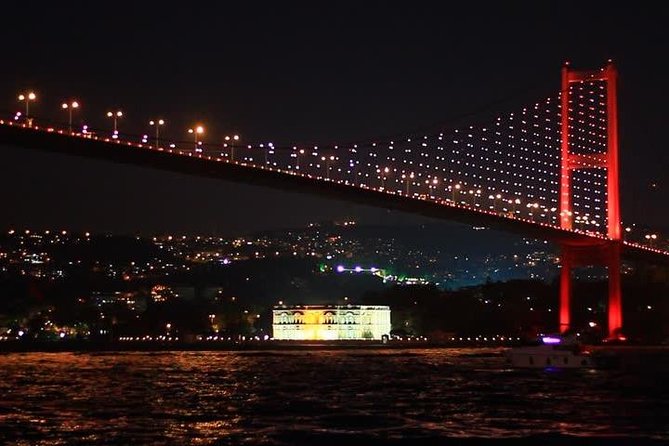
{"x":432,"y":396}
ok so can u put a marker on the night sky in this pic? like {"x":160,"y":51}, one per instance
{"x":293,"y":72}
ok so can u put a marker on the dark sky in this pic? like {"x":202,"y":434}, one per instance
{"x":300,"y":72}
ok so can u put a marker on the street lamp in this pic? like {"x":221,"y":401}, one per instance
{"x":453,"y":189}
{"x":475,"y":194}
{"x":69,"y":107}
{"x":407,"y":179}
{"x":115,"y":116}
{"x":157,"y":123}
{"x":530,"y":207}
{"x":432,"y":185}
{"x":231,"y":140}
{"x":198,"y":130}
{"x":327,"y":160}
{"x":27,"y":97}
{"x":267,"y":151}
{"x":385,"y":171}
{"x":552,"y":210}
{"x":494,"y":199}
{"x":297,"y":158}
{"x":651,"y":238}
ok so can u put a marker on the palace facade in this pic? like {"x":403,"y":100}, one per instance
{"x":331,"y":322}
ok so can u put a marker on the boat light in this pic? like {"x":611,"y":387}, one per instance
{"x":550,"y":340}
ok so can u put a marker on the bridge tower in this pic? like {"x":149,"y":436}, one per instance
{"x":605,"y":252}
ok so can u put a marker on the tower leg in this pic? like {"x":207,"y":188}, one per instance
{"x":565,"y":290}
{"x":615,"y":306}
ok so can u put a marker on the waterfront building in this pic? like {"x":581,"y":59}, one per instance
{"x":331,"y":322}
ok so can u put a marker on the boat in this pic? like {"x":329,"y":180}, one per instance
{"x":552,"y":352}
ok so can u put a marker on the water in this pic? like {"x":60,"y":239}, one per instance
{"x":427,"y":396}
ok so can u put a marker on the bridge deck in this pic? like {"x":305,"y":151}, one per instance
{"x":53,"y":141}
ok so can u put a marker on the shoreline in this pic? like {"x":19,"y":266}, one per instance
{"x":139,"y":346}
{"x":148,"y":346}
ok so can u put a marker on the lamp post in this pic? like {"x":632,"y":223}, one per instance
{"x":115,"y":115}
{"x":531,"y":207}
{"x":453,"y":189}
{"x":566,"y":214}
{"x":70,"y":107}
{"x":195,"y":131}
{"x":475,"y":194}
{"x":297,"y":158}
{"x":385,"y":171}
{"x":494,"y":199}
{"x":432,"y":185}
{"x":651,"y":239}
{"x":27,"y":97}
{"x":327,"y":160}
{"x":157,"y":123}
{"x":551,"y":217}
{"x":407,"y":179}
{"x":231,"y":140}
{"x":267,"y":150}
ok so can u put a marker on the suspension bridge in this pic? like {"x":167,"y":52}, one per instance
{"x":549,"y":170}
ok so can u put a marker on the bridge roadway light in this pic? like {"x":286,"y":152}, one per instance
{"x":476,"y":193}
{"x":27,"y":97}
{"x":157,"y":124}
{"x":651,"y":239}
{"x":471,"y":192}
{"x":115,"y":116}
{"x":453,"y":189}
{"x":432,"y":185}
{"x":197,"y":130}
{"x":270,"y":147}
{"x":231,"y":140}
{"x":70,"y":107}
{"x":384,"y":172}
{"x":494,"y":199}
{"x":407,"y":179}
{"x":297,"y":157}
{"x":552,"y":210}
{"x":327,"y":160}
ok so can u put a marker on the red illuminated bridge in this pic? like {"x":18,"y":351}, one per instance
{"x":549,"y":170}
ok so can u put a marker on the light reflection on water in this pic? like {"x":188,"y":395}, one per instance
{"x":319,"y":397}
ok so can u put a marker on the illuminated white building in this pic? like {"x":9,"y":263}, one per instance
{"x":331,"y":322}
